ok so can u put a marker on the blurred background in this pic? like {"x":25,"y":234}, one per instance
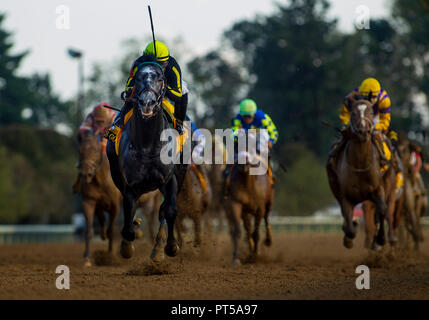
{"x":297,"y":59}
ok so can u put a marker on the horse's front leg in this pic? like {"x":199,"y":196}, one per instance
{"x":349,"y":227}
{"x":380,"y":215}
{"x":88,"y":207}
{"x":170,"y":190}
{"x":128,"y":231}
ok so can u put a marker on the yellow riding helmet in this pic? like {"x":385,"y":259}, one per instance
{"x":370,"y":85}
{"x":162,"y":53}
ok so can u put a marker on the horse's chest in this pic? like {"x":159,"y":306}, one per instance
{"x":139,"y":169}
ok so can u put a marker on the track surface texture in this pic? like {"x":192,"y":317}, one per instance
{"x":297,"y":266}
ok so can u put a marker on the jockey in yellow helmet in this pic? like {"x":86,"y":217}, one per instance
{"x":177,"y":90}
{"x":371,"y":90}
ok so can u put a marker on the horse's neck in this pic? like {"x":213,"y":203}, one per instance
{"x":145,"y":134}
{"x":360,"y":154}
{"x":103,"y":171}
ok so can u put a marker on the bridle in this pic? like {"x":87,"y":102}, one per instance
{"x":159,"y":95}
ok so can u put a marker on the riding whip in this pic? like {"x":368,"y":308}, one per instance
{"x":153,"y":32}
{"x":110,"y":107}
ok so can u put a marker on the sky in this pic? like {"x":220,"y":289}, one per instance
{"x":97,"y":28}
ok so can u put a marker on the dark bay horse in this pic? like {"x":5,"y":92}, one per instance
{"x":137,"y":168}
{"x":355,"y":176}
{"x":99,"y":193}
{"x":249,"y":195}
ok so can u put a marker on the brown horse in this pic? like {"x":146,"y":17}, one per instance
{"x":193,"y":201}
{"x":215,"y":173}
{"x":248,"y":195}
{"x":99,"y":193}
{"x":355,"y":175}
{"x":415,"y":203}
{"x":149,"y":203}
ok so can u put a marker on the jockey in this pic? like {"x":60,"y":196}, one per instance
{"x":370,"y":89}
{"x":250,"y":117}
{"x":99,"y":119}
{"x":416,"y":162}
{"x":177,"y":90}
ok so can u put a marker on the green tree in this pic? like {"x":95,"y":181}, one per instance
{"x":218,"y":83}
{"x":14,"y":94}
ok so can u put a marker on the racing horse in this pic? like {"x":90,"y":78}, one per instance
{"x":249,"y":195}
{"x":98,"y":191}
{"x":136,"y":164}
{"x":356,"y":176}
{"x":415,"y":202}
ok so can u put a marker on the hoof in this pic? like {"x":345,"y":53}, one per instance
{"x":87,"y":263}
{"x":171,"y":250}
{"x":376,"y":247}
{"x":103,"y":233}
{"x":129,"y":235}
{"x":268,"y":242}
{"x":139,"y":234}
{"x":157,"y":255}
{"x":236,"y":262}
{"x":393,"y":240}
{"x":348,"y":242}
{"x":127,"y":249}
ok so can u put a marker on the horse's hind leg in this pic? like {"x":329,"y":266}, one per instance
{"x":269,"y":237}
{"x":248,"y":226}
{"x":349,"y":227}
{"x":234,"y":216}
{"x":99,"y":212}
{"x":255,"y":234}
{"x":197,"y":229}
{"x":380,"y":215}
{"x":368,"y":209}
{"x":88,"y":207}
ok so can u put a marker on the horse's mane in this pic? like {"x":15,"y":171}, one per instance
{"x":148,"y":58}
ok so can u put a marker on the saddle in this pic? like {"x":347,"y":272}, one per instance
{"x":114,"y":134}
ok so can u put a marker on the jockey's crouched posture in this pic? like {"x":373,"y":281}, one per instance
{"x":99,"y":119}
{"x":370,"y":89}
{"x":176,"y":88}
{"x":250,"y":117}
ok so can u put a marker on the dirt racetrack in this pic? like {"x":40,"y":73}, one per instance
{"x":297,"y":266}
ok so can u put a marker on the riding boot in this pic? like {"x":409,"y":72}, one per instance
{"x":335,"y":150}
{"x":180,"y":108}
{"x":377,"y":140}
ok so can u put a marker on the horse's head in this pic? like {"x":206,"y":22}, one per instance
{"x":149,"y":87}
{"x":251,"y":155}
{"x":361,"y":119}
{"x":90,"y":151}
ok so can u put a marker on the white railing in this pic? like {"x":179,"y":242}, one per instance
{"x":65,"y":233}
